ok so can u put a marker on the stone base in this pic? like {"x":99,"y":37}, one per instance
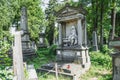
{"x":28,"y":53}
{"x":77,"y":55}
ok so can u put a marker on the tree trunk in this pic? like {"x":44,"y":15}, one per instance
{"x":113,"y":18}
{"x":101,"y":26}
{"x":95,"y":19}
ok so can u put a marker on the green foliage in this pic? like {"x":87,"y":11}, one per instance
{"x":106,"y":50}
{"x":4,"y":59}
{"x":52,"y":77}
{"x":50,"y":12}
{"x":97,"y":72}
{"x":44,"y":55}
{"x":101,"y":66}
{"x":52,"y":50}
{"x":6,"y":75}
{"x":40,"y":59}
{"x":42,"y":52}
{"x":48,"y":52}
{"x":101,"y":59}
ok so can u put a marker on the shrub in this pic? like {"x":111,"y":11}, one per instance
{"x":4,"y":58}
{"x":52,"y":50}
{"x":48,"y":52}
{"x":44,"y":55}
{"x":6,"y":74}
{"x":98,"y":58}
{"x":106,"y":50}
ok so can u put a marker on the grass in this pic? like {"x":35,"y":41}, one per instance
{"x":52,"y":77}
{"x":97,"y":73}
{"x":101,"y":68}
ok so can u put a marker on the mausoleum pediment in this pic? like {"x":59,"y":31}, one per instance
{"x":69,"y":10}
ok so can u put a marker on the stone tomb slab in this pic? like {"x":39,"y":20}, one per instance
{"x":67,"y":69}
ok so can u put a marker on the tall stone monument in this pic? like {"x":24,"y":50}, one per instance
{"x":26,"y":48}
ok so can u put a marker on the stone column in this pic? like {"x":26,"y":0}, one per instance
{"x":85,"y":34}
{"x":80,"y":32}
{"x":60,"y":34}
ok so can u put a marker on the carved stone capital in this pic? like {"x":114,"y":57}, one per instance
{"x":80,"y":16}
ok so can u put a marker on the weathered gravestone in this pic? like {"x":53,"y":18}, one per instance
{"x":26,"y":47}
{"x":116,"y":58}
{"x":94,"y":41}
{"x":72,"y":53}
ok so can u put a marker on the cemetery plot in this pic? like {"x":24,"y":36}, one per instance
{"x":72,"y":52}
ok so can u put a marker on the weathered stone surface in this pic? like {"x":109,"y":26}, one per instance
{"x":32,"y":75}
{"x":116,"y":58}
{"x":116,"y":66}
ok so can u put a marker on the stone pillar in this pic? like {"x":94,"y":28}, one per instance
{"x":95,"y":46}
{"x":18,"y":57}
{"x":85,"y":34}
{"x":116,"y":65}
{"x":83,"y":56}
{"x":60,"y":34}
{"x":87,"y":55}
{"x":80,"y":32}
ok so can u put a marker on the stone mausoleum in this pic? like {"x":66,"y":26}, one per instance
{"x":72,"y":36}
